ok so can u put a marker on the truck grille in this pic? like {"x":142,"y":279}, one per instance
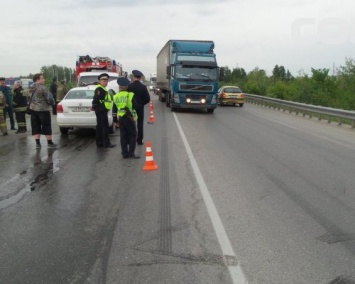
{"x":196,"y":97}
{"x":196,"y":88}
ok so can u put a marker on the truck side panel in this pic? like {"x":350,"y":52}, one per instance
{"x":163,"y":60}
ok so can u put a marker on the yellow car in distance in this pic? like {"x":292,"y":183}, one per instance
{"x":230,"y":95}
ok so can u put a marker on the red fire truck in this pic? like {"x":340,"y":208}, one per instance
{"x":86,"y":63}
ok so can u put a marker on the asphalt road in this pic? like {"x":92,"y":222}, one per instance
{"x":242,"y":195}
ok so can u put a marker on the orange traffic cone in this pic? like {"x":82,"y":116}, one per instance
{"x":151,"y":117}
{"x":149,"y":161}
{"x":151,"y":105}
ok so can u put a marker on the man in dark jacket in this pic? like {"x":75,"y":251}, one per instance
{"x":142,"y":97}
{"x":20,"y":105}
{"x":3,"y":103}
{"x":8,"y":108}
{"x":61,"y":91}
{"x":53,"y":89}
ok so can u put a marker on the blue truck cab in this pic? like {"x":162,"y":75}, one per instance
{"x":187,"y":75}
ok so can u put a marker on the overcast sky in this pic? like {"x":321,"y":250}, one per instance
{"x":297,"y":34}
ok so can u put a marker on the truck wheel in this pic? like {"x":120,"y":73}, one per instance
{"x":160,"y":96}
{"x":241,"y":105}
{"x":210,"y":110}
{"x":63,"y":130}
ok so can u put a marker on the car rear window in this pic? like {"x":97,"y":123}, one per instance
{"x":232,"y":90}
{"x":79,"y":94}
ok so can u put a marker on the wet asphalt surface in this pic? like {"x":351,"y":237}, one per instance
{"x":282,"y":185}
{"x":78,"y":214}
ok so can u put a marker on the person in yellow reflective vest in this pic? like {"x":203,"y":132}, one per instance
{"x":20,"y":105}
{"x":102,"y":103}
{"x":125,"y":115}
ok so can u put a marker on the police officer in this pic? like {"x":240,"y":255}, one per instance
{"x":102,"y":103}
{"x":124,"y":106}
{"x":142,"y":97}
{"x":20,"y":105}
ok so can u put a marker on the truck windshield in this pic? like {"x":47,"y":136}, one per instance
{"x":193,"y":72}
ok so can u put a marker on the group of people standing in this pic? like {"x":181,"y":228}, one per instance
{"x":127,"y":111}
{"x":10,"y":104}
{"x":40,"y":102}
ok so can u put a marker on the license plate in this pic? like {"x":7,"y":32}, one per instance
{"x":80,"y":109}
{"x":195,"y":102}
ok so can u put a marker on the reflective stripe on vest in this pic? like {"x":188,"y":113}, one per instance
{"x":2,"y":96}
{"x":107,"y":101}
{"x":124,"y":99}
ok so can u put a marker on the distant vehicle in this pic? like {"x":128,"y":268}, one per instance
{"x":230,"y":95}
{"x":26,"y":83}
{"x":10,"y":81}
{"x":187,"y":75}
{"x":99,"y":63}
{"x":74,"y":111}
{"x":152,"y":82}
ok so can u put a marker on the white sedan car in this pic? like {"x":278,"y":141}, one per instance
{"x":74,"y":111}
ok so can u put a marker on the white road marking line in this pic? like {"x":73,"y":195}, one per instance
{"x":235,"y":270}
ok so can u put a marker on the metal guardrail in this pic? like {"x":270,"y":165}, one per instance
{"x":305,"y":109}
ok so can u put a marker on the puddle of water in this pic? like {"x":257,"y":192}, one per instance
{"x":15,"y":198}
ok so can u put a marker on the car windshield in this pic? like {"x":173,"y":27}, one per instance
{"x":232,"y":90}
{"x":92,"y":80}
{"x":79,"y":94}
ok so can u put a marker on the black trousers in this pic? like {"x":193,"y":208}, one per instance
{"x":140,"y":114}
{"x":128,"y":136}
{"x":21,"y":120}
{"x":102,"y":129}
{"x":41,"y":122}
{"x":9,"y":110}
{"x":54,"y":107}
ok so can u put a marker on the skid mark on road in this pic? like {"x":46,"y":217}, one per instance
{"x":179,"y":258}
{"x":334,"y":233}
{"x":165,"y":236}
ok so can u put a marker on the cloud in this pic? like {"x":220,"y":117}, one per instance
{"x":296,"y":34}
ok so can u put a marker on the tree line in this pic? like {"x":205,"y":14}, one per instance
{"x":59,"y":72}
{"x":318,"y":88}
